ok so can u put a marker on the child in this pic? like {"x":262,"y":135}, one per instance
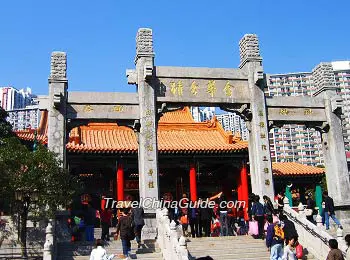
{"x":184,"y":223}
{"x":289,"y":249}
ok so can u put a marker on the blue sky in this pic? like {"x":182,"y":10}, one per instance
{"x":99,"y":37}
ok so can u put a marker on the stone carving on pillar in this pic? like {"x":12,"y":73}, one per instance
{"x":259,"y":146}
{"x":57,"y":104}
{"x":274,"y":124}
{"x":148,"y":150}
{"x":337,"y":175}
{"x":242,"y":110}
{"x":136,"y":127}
{"x":144,"y":43}
{"x":322,"y":127}
{"x":58,"y":65}
{"x":131,"y":76}
{"x":323,"y":77}
{"x":249,"y":50}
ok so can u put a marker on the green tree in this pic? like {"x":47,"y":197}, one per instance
{"x":28,"y":171}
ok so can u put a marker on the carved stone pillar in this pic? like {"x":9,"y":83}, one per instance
{"x":58,"y":85}
{"x":259,"y":148}
{"x":332,"y":138}
{"x":148,"y":150}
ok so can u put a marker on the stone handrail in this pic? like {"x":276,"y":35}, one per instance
{"x":313,"y":237}
{"x":49,"y":252}
{"x":170,"y":239}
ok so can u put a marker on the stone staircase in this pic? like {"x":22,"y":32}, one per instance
{"x":81,"y":250}
{"x":232,"y":247}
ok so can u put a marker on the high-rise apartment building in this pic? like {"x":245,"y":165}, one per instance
{"x":25,"y":118}
{"x":295,"y":142}
{"x":234,"y":123}
{"x":12,"y":98}
{"x":230,"y":121}
{"x":202,"y":114}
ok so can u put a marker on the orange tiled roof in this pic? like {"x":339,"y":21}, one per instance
{"x":295,"y":169}
{"x":29,"y":134}
{"x":177,"y":132}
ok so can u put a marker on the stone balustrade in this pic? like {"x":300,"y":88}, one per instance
{"x":313,"y":237}
{"x":170,"y":239}
{"x":49,"y":251}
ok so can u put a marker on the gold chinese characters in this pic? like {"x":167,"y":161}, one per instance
{"x":228,"y":89}
{"x":307,"y":111}
{"x":118,"y":108}
{"x":88,"y":108}
{"x":284,"y":111}
{"x":211,"y":88}
{"x":194,"y":88}
{"x":176,"y":88}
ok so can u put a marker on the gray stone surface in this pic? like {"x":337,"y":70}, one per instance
{"x":144,"y":43}
{"x":148,"y":148}
{"x":323,"y":75}
{"x":57,"y":105}
{"x":299,"y":115}
{"x":297,"y":101}
{"x":337,"y":174}
{"x":102,"y":111}
{"x":249,"y":49}
{"x":259,"y":146}
{"x":202,"y":73}
{"x":102,"y":98}
{"x":58,"y":65}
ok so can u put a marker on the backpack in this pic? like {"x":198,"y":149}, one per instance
{"x":278,"y":232}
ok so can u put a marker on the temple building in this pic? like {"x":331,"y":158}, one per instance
{"x":199,"y":158}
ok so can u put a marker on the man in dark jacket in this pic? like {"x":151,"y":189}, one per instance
{"x":274,"y":240}
{"x":329,"y":210}
{"x":126,"y":230}
{"x":138,"y":218}
{"x":258,"y":215}
{"x":206,"y":214}
{"x":194,"y":221}
{"x":90,"y":220}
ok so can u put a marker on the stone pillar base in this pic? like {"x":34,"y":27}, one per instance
{"x":149,"y":230}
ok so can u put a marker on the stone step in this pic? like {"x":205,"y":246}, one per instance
{"x":241,"y":247}
{"x":155,"y":256}
{"x":226,"y":250}
{"x":240,"y":257}
{"x":81,"y":250}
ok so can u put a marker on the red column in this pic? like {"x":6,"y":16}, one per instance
{"x":239,"y":186}
{"x":103,"y":202}
{"x":120,"y":182}
{"x":244,"y":188}
{"x":193,"y":183}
